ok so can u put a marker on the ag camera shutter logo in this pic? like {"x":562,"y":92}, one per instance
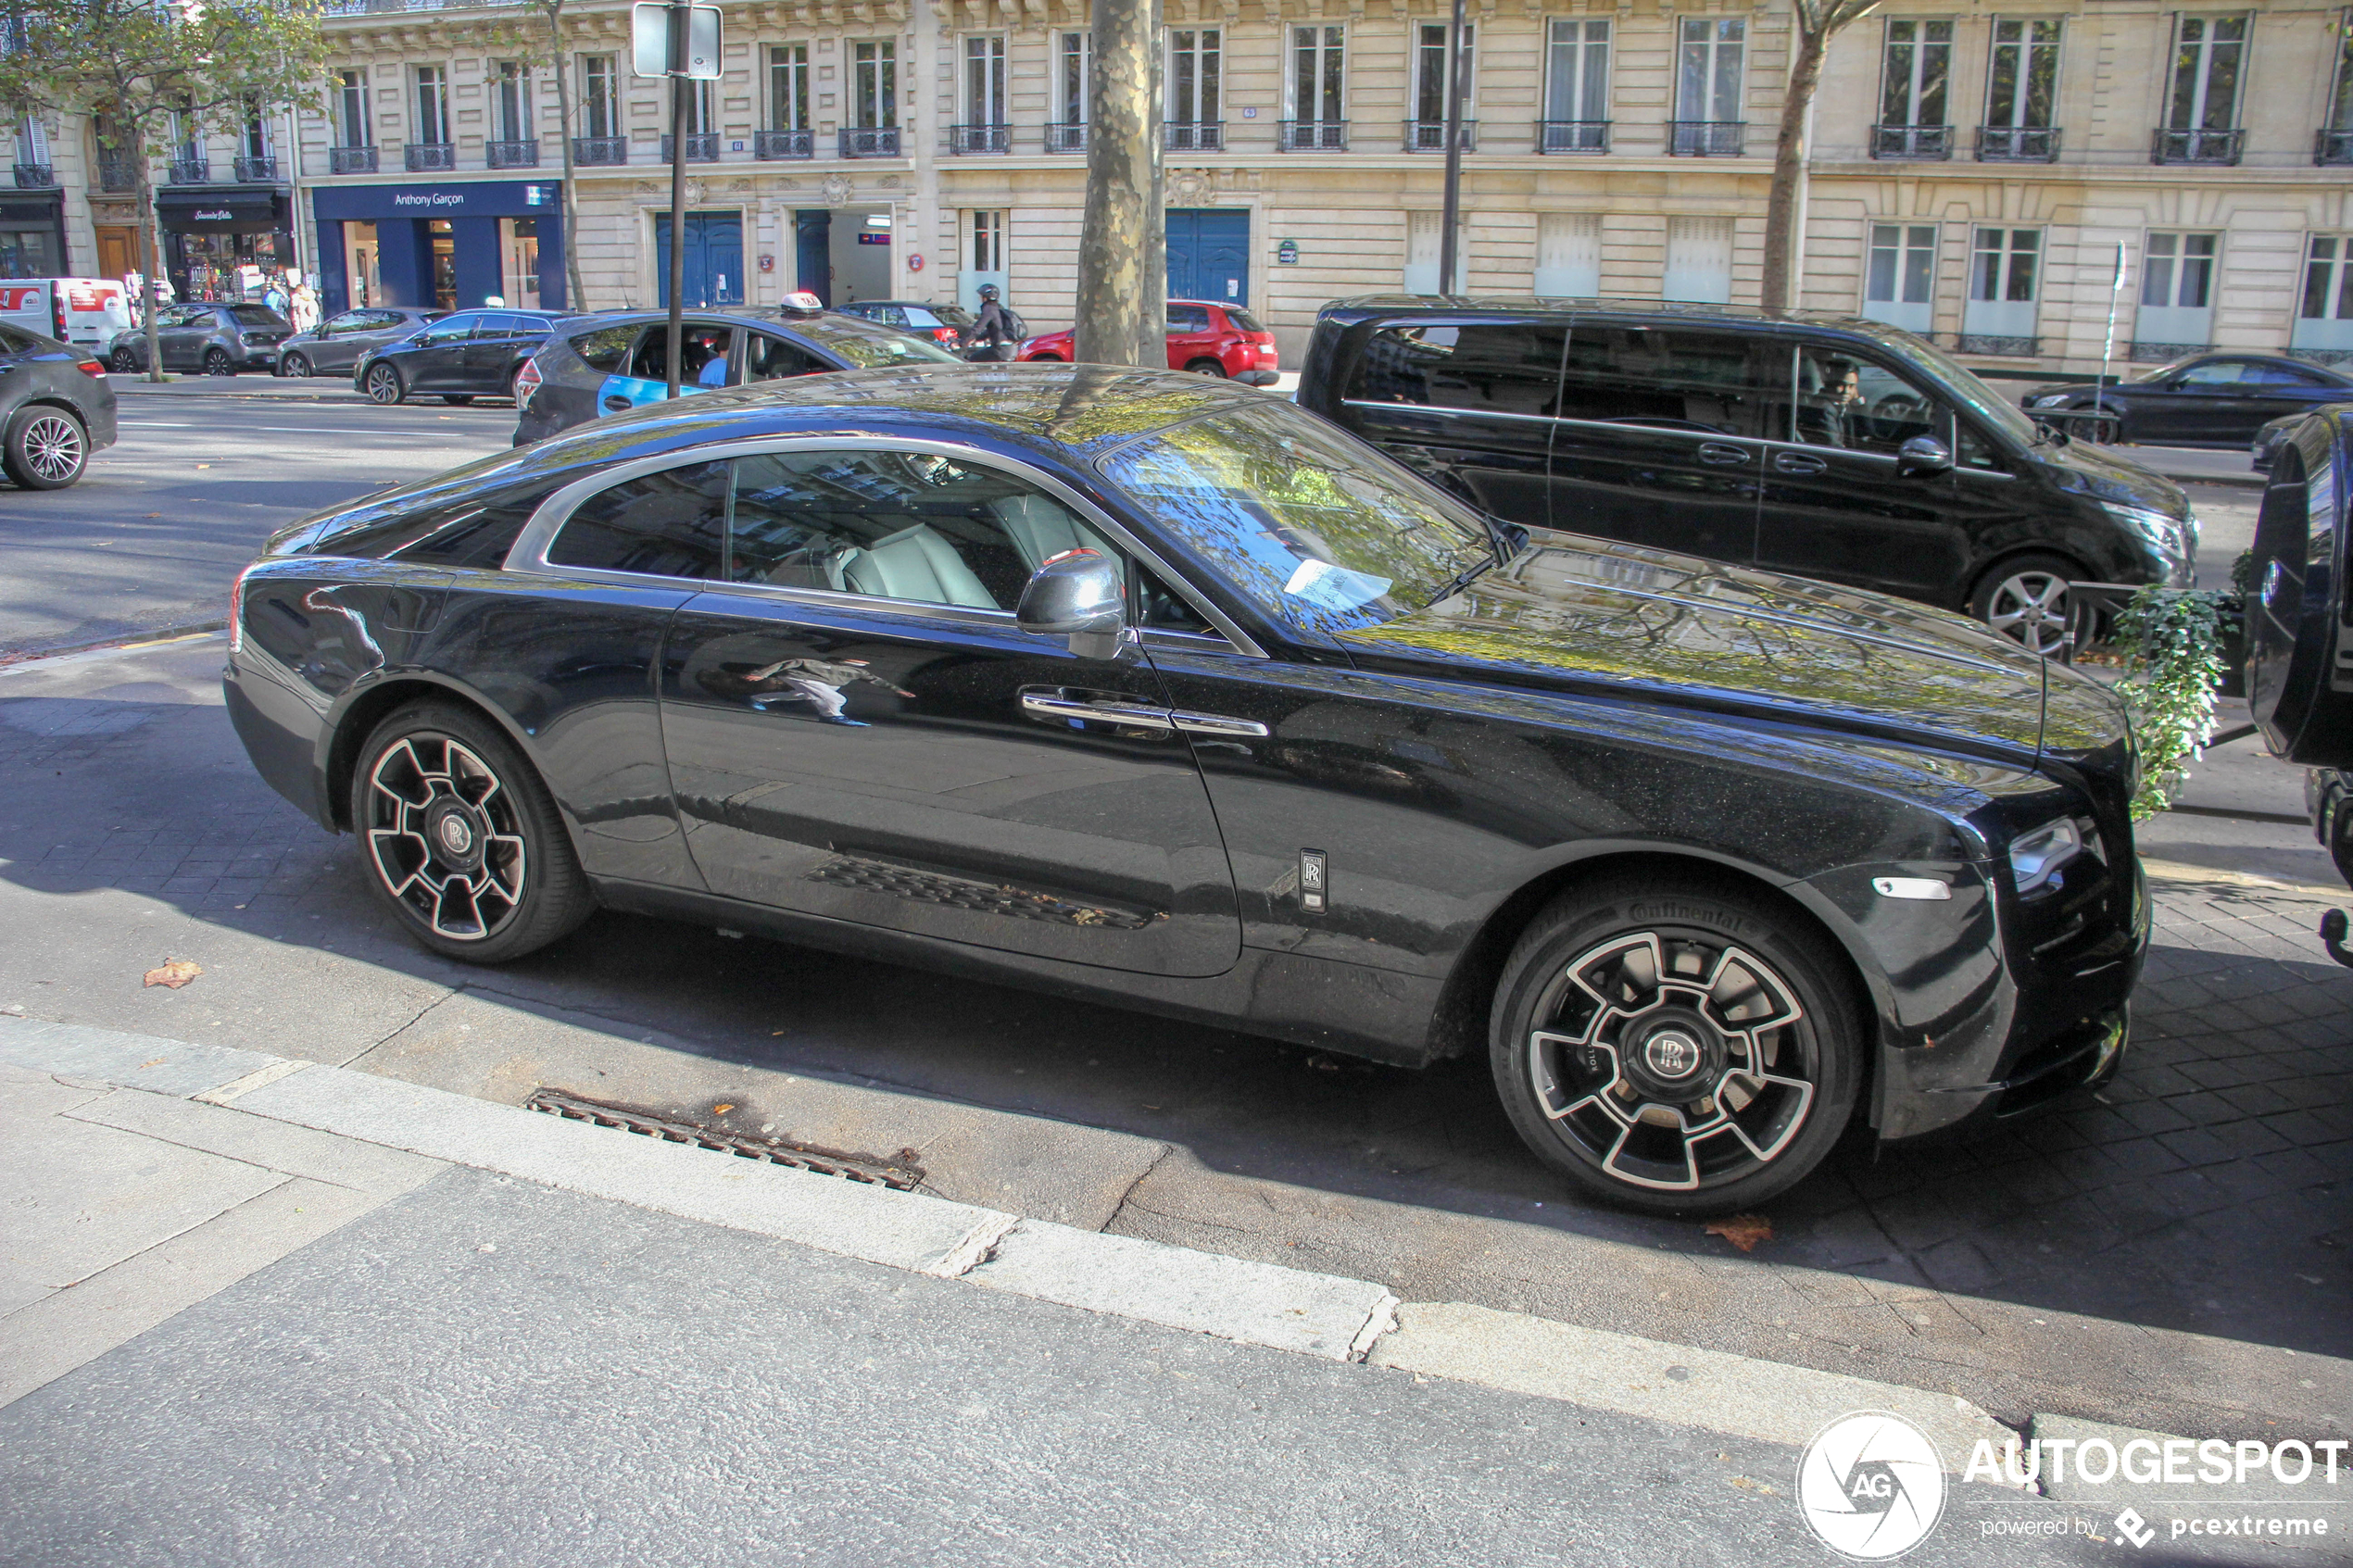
{"x":1871,"y":1486}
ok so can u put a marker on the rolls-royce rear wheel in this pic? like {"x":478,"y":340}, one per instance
{"x":1676,"y":1049}
{"x":461,"y":839}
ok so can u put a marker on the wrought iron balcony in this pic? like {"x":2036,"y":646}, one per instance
{"x":1429,"y":136}
{"x":351,"y":160}
{"x":1572,"y":136}
{"x":1312,"y":135}
{"x":261,"y":170}
{"x":512,"y":155}
{"x":1912,"y":143}
{"x":115,"y":172}
{"x":2333,"y":146}
{"x":784,"y":144}
{"x":1065,"y":137}
{"x":1706,"y":138}
{"x":590,"y":151}
{"x":1194,"y":135}
{"x":2164,"y":353}
{"x":2197,"y":146}
{"x":191,"y":171}
{"x":702,"y":147}
{"x":870,"y":141}
{"x":1997,"y":347}
{"x":424,"y":156}
{"x":2017,"y":144}
{"x":35,"y":177}
{"x":980,"y":138}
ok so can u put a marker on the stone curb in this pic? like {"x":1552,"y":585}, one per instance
{"x":1321,"y":1315}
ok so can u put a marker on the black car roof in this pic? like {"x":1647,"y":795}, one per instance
{"x":1365,"y":307}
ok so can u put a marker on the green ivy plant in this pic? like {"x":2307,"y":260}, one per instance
{"x":2173,"y":644}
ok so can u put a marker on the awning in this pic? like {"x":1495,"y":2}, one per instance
{"x":242,"y":210}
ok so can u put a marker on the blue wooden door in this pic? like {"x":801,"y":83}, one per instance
{"x":1208,"y":253}
{"x":715,"y":259}
{"x":814,"y":253}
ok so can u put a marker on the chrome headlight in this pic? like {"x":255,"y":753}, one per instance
{"x":2037,"y":855}
{"x":2167,"y":533}
{"x":2051,"y":401}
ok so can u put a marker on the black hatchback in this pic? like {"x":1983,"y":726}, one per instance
{"x":1813,"y":444}
{"x":611,"y":364}
{"x":472,"y":354}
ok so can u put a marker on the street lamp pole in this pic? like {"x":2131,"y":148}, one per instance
{"x":678,"y":88}
{"x":1458,"y":85}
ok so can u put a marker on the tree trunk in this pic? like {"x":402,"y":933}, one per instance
{"x":150,"y":265}
{"x":1123,"y":263}
{"x":577,"y":297}
{"x":1789,"y":153}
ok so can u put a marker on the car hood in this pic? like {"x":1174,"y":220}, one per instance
{"x":2105,"y":475}
{"x":1582,"y":613}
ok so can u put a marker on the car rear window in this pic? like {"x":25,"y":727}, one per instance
{"x":257,"y":316}
{"x":605,"y":349}
{"x":1243,"y":320}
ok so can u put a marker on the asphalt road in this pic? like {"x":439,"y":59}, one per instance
{"x":154,"y":534}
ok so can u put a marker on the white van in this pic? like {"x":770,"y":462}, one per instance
{"x":86,"y":312}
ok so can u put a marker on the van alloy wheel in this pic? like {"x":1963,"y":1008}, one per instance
{"x":1671,"y":1063}
{"x":443,"y":835}
{"x":2030,"y":607}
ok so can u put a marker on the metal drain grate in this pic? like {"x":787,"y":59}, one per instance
{"x":900,"y":1174}
{"x":930,"y":888}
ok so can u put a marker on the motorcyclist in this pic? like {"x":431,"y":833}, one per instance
{"x":992,"y":336}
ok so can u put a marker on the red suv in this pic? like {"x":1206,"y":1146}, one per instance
{"x":1207,"y":339}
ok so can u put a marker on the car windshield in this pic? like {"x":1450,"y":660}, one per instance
{"x":1317,"y":529}
{"x":1242,"y":319}
{"x":1980,"y":398}
{"x":953,"y":315}
{"x":869,"y":347}
{"x":257,"y":316}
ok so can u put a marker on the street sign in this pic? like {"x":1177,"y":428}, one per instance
{"x":649,"y":41}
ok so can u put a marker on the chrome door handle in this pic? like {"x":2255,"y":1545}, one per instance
{"x":1721,"y":455}
{"x":1797,"y":462}
{"x":1135,"y":716}
{"x":1217,"y":725}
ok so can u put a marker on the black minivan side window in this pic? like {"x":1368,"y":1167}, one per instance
{"x":1838,"y":398}
{"x":1479,"y":367}
{"x":673,"y":524}
{"x":1671,"y":378}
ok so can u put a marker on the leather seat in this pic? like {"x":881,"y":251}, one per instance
{"x":915,"y":563}
{"x":1040,"y":530}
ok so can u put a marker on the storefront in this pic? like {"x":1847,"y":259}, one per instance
{"x":32,"y":234}
{"x":452,"y":245}
{"x":211,"y":235}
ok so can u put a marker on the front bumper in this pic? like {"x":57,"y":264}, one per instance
{"x":1258,"y":378}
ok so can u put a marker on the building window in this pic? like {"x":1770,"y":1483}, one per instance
{"x":511,"y":101}
{"x":1699,"y":261}
{"x":1915,"y":73}
{"x":2021,"y":91}
{"x":876,"y":84}
{"x":2324,"y":317}
{"x":1576,"y":86}
{"x":698,"y":107}
{"x":1196,"y":90}
{"x":600,"y":103}
{"x":788,"y":87}
{"x":985,"y":79}
{"x":1318,"y":73}
{"x":353,"y":128}
{"x":1707,"y":70}
{"x":2176,"y":315}
{"x":2208,"y":55}
{"x":1899,"y":283}
{"x":988,"y":251}
{"x":1074,"y":58}
{"x":2004,"y":274}
{"x":1430,"y":83}
{"x":432,"y":106}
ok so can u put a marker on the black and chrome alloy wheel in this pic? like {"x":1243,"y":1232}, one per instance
{"x":1677,"y":1049}
{"x":445,"y":837}
{"x":2028,"y":601}
{"x":45,"y":449}
{"x":1673,"y":1062}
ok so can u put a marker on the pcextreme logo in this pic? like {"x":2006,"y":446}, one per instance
{"x":1871,"y":1486}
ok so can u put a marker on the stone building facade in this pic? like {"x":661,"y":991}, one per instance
{"x":1977,"y":171}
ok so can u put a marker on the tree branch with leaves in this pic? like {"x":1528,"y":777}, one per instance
{"x":1814,"y":23}
{"x":548,"y":51}
{"x":153,"y":73}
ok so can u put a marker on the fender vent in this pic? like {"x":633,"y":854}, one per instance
{"x":899,"y":1172}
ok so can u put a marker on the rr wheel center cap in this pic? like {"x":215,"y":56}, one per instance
{"x":455,"y":836}
{"x":456,"y":832}
{"x":1671,"y":1054}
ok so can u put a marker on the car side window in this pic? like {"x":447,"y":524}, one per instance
{"x":2220,"y":372}
{"x":673,"y":524}
{"x":2281,"y":376}
{"x":896,"y":525}
{"x":15,"y":341}
{"x":1189,"y":319}
{"x":772,"y":358}
{"x":1972,"y":450}
{"x":1837,"y":399}
{"x":1510,"y":367}
{"x":452,"y":330}
{"x":698,"y":346}
{"x":1707,"y":382}
{"x":605,"y":349}
{"x":349,"y":321}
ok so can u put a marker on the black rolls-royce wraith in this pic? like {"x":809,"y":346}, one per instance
{"x":1143,"y":687}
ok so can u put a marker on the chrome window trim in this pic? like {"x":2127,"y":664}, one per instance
{"x":528,"y":555}
{"x":1457,"y":413}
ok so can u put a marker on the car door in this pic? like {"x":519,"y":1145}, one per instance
{"x":2272,"y":390}
{"x":1837,"y":502}
{"x":183,"y":337}
{"x":434,"y":360}
{"x":1467,"y":402}
{"x":857,"y":730}
{"x":1660,"y":436}
{"x":645,"y":375}
{"x":489,"y":352}
{"x":2202,"y":404}
{"x":1189,"y":339}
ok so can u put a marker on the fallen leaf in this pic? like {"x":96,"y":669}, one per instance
{"x":203,"y":465}
{"x":1743,"y":1231}
{"x":722,"y":1109}
{"x":155,"y":514}
{"x":175,"y":973}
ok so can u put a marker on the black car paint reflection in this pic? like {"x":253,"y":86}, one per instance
{"x":860,"y":773}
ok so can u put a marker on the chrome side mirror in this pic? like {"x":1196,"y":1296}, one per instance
{"x":1923,"y":455}
{"x":1081,"y":594}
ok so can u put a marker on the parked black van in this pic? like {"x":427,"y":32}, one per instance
{"x":1817,"y":444}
